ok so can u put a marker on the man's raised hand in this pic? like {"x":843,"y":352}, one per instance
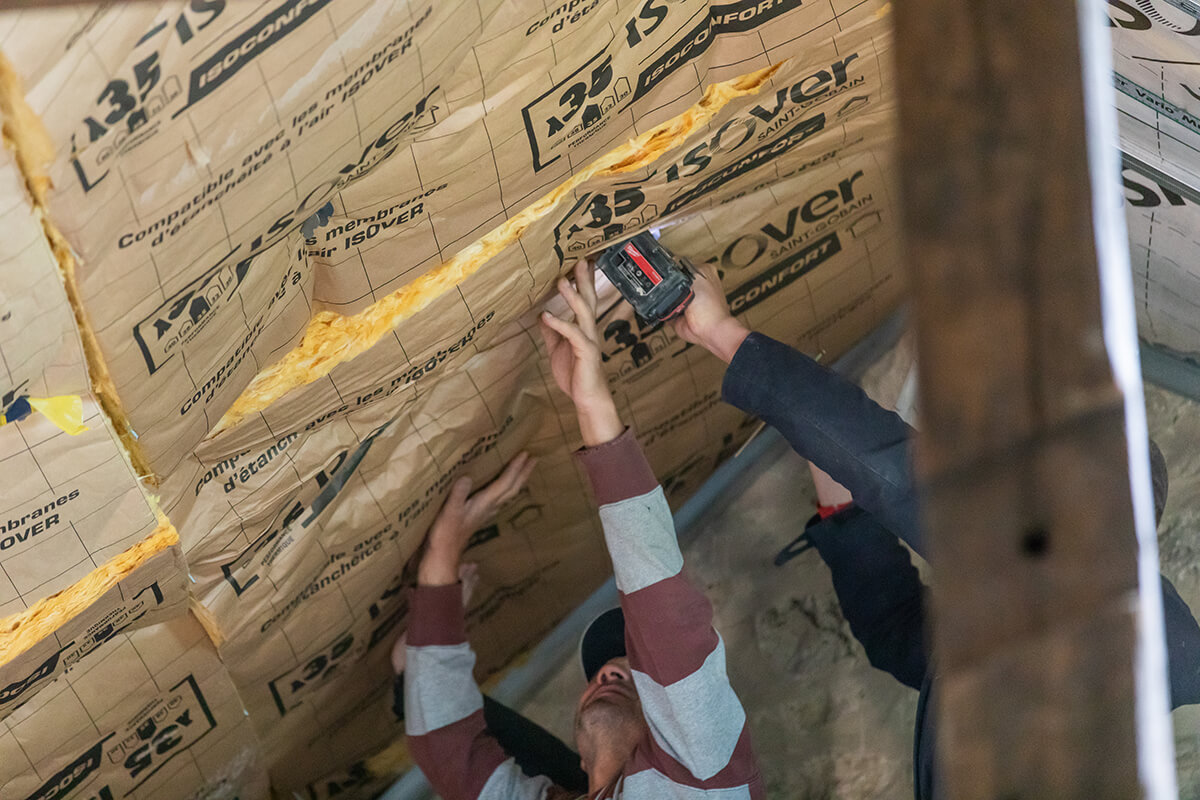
{"x":574,"y":352}
{"x":464,"y":513}
{"x":707,"y":321}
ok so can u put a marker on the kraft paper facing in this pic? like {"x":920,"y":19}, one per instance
{"x":299,"y":398}
{"x":153,"y":716}
{"x":1158,"y":102}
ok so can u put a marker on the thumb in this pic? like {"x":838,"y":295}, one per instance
{"x":461,"y":490}
{"x":709,"y":272}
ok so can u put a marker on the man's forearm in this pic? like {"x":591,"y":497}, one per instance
{"x":598,"y":420}
{"x":832,"y":423}
{"x":677,"y":658}
{"x":620,"y":475}
{"x":443,"y":709}
{"x":443,"y":706}
{"x":879,"y":590}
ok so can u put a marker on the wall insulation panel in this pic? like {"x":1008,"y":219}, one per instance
{"x":275,"y":411}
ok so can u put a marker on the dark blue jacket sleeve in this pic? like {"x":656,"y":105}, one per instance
{"x":1183,"y":648}
{"x":880,"y":591}
{"x":832,"y":423}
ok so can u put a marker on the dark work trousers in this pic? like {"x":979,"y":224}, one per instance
{"x":832,"y":423}
{"x":535,"y":749}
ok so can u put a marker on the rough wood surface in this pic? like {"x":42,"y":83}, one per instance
{"x":1022,"y":456}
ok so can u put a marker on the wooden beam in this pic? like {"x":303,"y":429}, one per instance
{"x":1022,"y":459}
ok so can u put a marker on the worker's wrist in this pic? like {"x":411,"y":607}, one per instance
{"x":438,"y":569}
{"x":599,"y":422}
{"x":724,"y":338}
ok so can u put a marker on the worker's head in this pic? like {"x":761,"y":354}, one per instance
{"x":608,"y":719}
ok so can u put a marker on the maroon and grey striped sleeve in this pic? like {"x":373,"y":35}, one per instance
{"x":447,"y":735}
{"x":697,"y":723}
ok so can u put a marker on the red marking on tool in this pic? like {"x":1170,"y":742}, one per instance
{"x":675,"y":311}
{"x":644,"y":265}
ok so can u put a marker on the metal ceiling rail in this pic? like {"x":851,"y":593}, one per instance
{"x":1187,"y":7}
{"x":1187,"y":189}
{"x":1170,"y":370}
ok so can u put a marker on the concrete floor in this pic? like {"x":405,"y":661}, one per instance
{"x":826,"y":725}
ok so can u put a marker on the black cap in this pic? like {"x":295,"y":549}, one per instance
{"x":603,"y":641}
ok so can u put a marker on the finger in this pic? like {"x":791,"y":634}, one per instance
{"x":516,"y":476}
{"x":550,"y":336}
{"x":505,"y":487}
{"x":580,"y":343}
{"x":585,"y":282}
{"x":490,"y":494}
{"x":566,"y":290}
{"x":585,"y":315}
{"x":459,"y":492}
{"x":710,"y":273}
{"x":526,"y":471}
{"x":509,"y":482}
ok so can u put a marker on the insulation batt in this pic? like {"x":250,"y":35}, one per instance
{"x":295,"y":404}
{"x":332,"y":338}
{"x":275,"y":414}
{"x":19,"y":632}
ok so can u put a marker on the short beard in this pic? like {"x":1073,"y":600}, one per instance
{"x":614,"y":728}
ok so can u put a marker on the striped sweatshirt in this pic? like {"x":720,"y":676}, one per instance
{"x":697,"y":746}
